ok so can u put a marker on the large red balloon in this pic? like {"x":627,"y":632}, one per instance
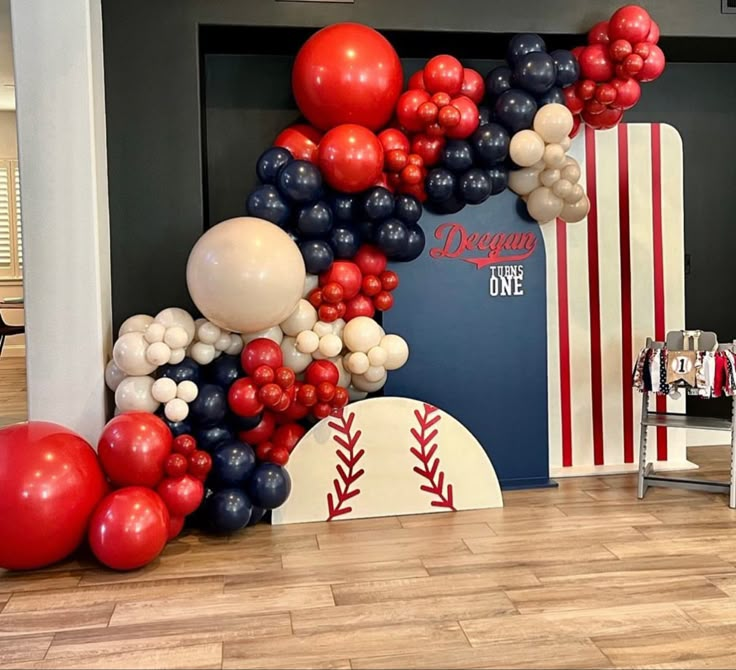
{"x":133,"y":448}
{"x":129,"y":528}
{"x":261,"y":432}
{"x":631,"y":23}
{"x":261,"y":351}
{"x":350,"y":158}
{"x":301,"y":140}
{"x":595,"y":63}
{"x":50,"y":482}
{"x":653,"y":65}
{"x":347,"y":73}
{"x":469,"y":118}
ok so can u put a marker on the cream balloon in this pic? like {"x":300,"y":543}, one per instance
{"x":158,"y":353}
{"x":187,"y":391}
{"x":338,"y":325}
{"x":576,"y":194}
{"x":113,"y":375}
{"x":273,"y":333}
{"x":293,"y":358}
{"x":553,"y":122}
{"x":155,"y":333}
{"x":543,"y":205}
{"x":177,"y":356}
{"x":361,"y":334}
{"x":134,"y":394}
{"x":176,"y":410}
{"x":571,"y":171}
{"x":524,"y":181}
{"x":129,"y":354}
{"x":576,"y":211}
{"x":223,"y":342}
{"x":526,"y":148}
{"x":322,"y":328}
{"x":202,"y":353}
{"x":554,"y":156}
{"x":549,"y":177}
{"x":397,"y":351}
{"x":355,"y":394}
{"x":330,"y":345}
{"x":562,"y":188}
{"x":311,"y":282}
{"x":208,"y":333}
{"x":176,"y":337}
{"x":565,"y":143}
{"x":343,"y":374}
{"x":175,"y":316}
{"x":357,"y":362}
{"x":374,"y":373}
{"x":135,"y":324}
{"x":362,"y":384}
{"x":378,"y":356}
{"x":163,"y":389}
{"x":245,"y":274}
{"x":307,"y":342}
{"x":236,"y":344}
{"x":302,"y":318}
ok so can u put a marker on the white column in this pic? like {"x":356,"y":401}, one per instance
{"x":63,"y":163}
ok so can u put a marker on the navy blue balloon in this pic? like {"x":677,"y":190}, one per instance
{"x":474,"y":186}
{"x":554,"y":95}
{"x":522,"y":44}
{"x":241,"y":423}
{"x":568,"y":68}
{"x":407,"y":208}
{"x":210,"y":437}
{"x":345,"y":241}
{"x":457,"y":156}
{"x":210,"y":405}
{"x":223,"y":371}
{"x":515,"y":110}
{"x":439,"y":184}
{"x":314,"y":220}
{"x":523,"y":212}
{"x":366,"y":229}
{"x":535,"y":72}
{"x":317,"y":255}
{"x":415,"y":242}
{"x":267,"y":203}
{"x":343,"y":207}
{"x":232,"y":464}
{"x":185,"y":371}
{"x":490,"y":144}
{"x":378,"y":203}
{"x":498,"y":81}
{"x":484,"y":114}
{"x":391,"y":237}
{"x":227,"y":511}
{"x":270,"y":162}
{"x":300,"y":182}
{"x":269,"y":486}
{"x":499,"y":177}
{"x":256,"y":515}
{"x":177,"y":427}
{"x":451,"y":205}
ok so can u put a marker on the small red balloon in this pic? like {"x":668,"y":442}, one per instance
{"x":263,"y":451}
{"x":243,"y":398}
{"x":595,"y":63}
{"x":393,"y":139}
{"x":469,"y":118}
{"x":262,"y":375}
{"x":285,"y":377}
{"x":345,"y":273}
{"x":389,"y":280}
{"x":288,"y":436}
{"x":443,"y":73}
{"x":315,"y":297}
{"x":473,"y":85}
{"x":176,"y":525}
{"x":371,"y":285}
{"x":416,"y":80}
{"x":631,"y":23}
{"x":408,"y":106}
{"x":341,"y":397}
{"x":395,"y":160}
{"x":301,"y":141}
{"x":384,"y":301}
{"x":283,"y":403}
{"x":429,"y":148}
{"x":605,"y":94}
{"x":176,"y":465}
{"x":321,"y":371}
{"x":411,"y":174}
{"x":328,"y":313}
{"x":643,"y":49}
{"x":181,"y":495}
{"x":184,"y":444}
{"x":620,"y":49}
{"x":261,"y":351}
{"x":573,"y":102}
{"x":594,"y":107}
{"x":322,"y":410}
{"x":270,"y":395}
{"x":608,"y":118}
{"x":585,"y":89}
{"x":435,"y":130}
{"x":295,"y":411}
{"x":340,"y":307}
{"x":598,"y":34}
{"x":653,"y":65}
{"x":200,"y":464}
{"x":449,"y":116}
{"x":350,"y":158}
{"x":278,"y":455}
{"x":333,"y":292}
{"x":360,"y":305}
{"x":633,"y":64}
{"x":325,"y":391}
{"x":628,"y":92}
{"x":261,"y":432}
{"x":653,"y":36}
{"x":427,"y":112}
{"x":307,"y":395}
{"x":575,"y":125}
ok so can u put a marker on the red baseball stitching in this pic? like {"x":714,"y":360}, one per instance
{"x":430,"y":467}
{"x":349,"y":457}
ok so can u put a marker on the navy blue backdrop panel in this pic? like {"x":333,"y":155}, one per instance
{"x":473,"y":310}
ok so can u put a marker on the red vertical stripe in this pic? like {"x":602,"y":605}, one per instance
{"x":562,"y":310}
{"x":594,"y":298}
{"x":659,"y":327}
{"x":626,"y":325}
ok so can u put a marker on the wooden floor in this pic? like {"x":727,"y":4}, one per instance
{"x":13,"y":406}
{"x":583,"y":576}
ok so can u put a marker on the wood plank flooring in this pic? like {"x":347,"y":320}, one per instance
{"x":582,"y":576}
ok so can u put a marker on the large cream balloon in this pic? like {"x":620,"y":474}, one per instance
{"x":361,"y":334}
{"x":576,"y":211}
{"x":544,"y":205}
{"x":302,"y":318}
{"x":524,"y":181}
{"x":526,"y":148}
{"x":134,"y":394}
{"x":129,"y":354}
{"x":135,"y":324}
{"x":293,"y":358}
{"x":245,"y":274}
{"x":553,"y":122}
{"x":175,"y":316}
{"x":113,"y":375}
{"x":274,"y":333}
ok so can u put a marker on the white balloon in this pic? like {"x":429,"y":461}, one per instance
{"x":344,"y":375}
{"x":374,"y":373}
{"x":158,"y":353}
{"x":135,"y":324}
{"x":175,"y":316}
{"x":553,"y":122}
{"x":113,"y":375}
{"x":338,"y":325}
{"x":176,"y":410}
{"x":355,"y":395}
{"x":378,"y":356}
{"x":176,"y":337}
{"x":177,"y":356}
{"x":562,"y":188}
{"x":361,"y":334}
{"x":318,"y":355}
{"x":571,"y":171}
{"x":223,"y":342}
{"x":357,"y":362}
{"x":273,"y":333}
{"x":164,"y":389}
{"x":187,"y":391}
{"x":397,"y":351}
{"x":208,"y":333}
{"x":576,"y":211}
{"x":565,"y":143}
{"x":307,"y":342}
{"x":302,"y":318}
{"x":549,"y":177}
{"x":554,"y":156}
{"x":202,"y":353}
{"x":311,"y":282}
{"x":155,"y":333}
{"x":293,"y":358}
{"x":576,"y":194}
{"x":134,"y":394}
{"x":322,"y":328}
{"x":362,"y":384}
{"x":526,"y":148}
{"x":524,"y":181}
{"x":543,"y":205}
{"x":330,"y":345}
{"x":236,"y":344}
{"x":129,"y":354}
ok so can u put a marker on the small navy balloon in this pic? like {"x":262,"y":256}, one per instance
{"x":457,"y":156}
{"x":223,"y":371}
{"x":391,"y":237}
{"x":317,"y":254}
{"x":554,"y":95}
{"x":267,"y":203}
{"x":378,"y":203}
{"x":515,"y":110}
{"x":345,"y":242}
{"x":440,"y":184}
{"x":343,"y":207}
{"x":475,"y":186}
{"x":367,"y":230}
{"x":498,"y":81}
{"x":228,"y":510}
{"x":176,"y":427}
{"x":314,"y":220}
{"x":300,"y":182}
{"x":243,"y":423}
{"x":187,"y":370}
{"x":210,"y":405}
{"x":270,"y":162}
{"x":522,"y":44}
{"x":210,"y":437}
{"x":232,"y":465}
{"x":415,"y":242}
{"x":535,"y":72}
{"x":490,"y":144}
{"x":499,"y":177}
{"x":451,"y":205}
{"x":407,"y":208}
{"x":568,"y":68}
{"x":269,"y":486}
{"x":256,"y":515}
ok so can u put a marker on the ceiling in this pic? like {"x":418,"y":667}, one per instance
{"x":7,"y":93}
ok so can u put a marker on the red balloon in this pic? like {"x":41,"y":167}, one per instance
{"x":262,"y":375}
{"x":585,"y":89}
{"x":270,"y":395}
{"x":429,"y":148}
{"x":345,"y":273}
{"x":389,"y":280}
{"x":594,"y":107}
{"x":595,"y":63}
{"x":200,"y":464}
{"x":360,"y":305}
{"x":395,"y":160}
{"x":263,"y":451}
{"x":392,"y":139}
{"x":288,"y":435}
{"x":577,"y":51}
{"x":285,"y":377}
{"x":620,"y":49}
{"x":631,"y":23}
{"x":370,"y":260}
{"x":184,"y":444}
{"x":133,"y":448}
{"x":449,"y":117}
{"x":575,"y":125}
{"x":129,"y":528}
{"x":278,"y":455}
{"x":301,"y":140}
{"x":417,"y":80}
{"x":347,"y":73}
{"x":643,"y":49}
{"x":408,"y":106}
{"x":608,"y":118}
{"x":307,"y":395}
{"x":384,"y":301}
{"x":50,"y":483}
{"x":321,"y":371}
{"x":573,"y":102}
{"x":653,"y":65}
{"x":261,"y":432}
{"x":371,"y":285}
{"x":176,"y":465}
{"x":350,"y":158}
{"x":411,"y":175}
{"x":473,"y":86}
{"x":341,"y":397}
{"x":469,"y":118}
{"x":243,"y":398}
{"x":332,"y":292}
{"x":427,"y":112}
{"x":295,"y":411}
{"x":328,"y":313}
{"x":261,"y":351}
{"x":653,"y":36}
{"x":633,"y":64}
{"x":325,"y":391}
{"x":605,"y":94}
{"x":181,"y":495}
{"x":598,"y":34}
{"x":443,"y":73}
{"x":176,"y":525}
{"x":628,"y":92}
